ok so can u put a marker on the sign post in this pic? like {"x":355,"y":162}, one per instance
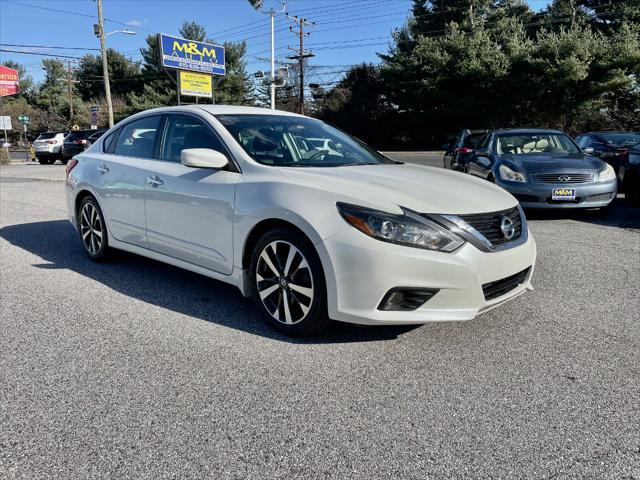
{"x":94,"y":116}
{"x":203,"y":59}
{"x":24,"y":120}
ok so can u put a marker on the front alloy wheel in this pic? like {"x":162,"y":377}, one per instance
{"x":92,"y":229}
{"x":289,"y":286}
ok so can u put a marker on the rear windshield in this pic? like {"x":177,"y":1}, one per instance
{"x":47,"y":135}
{"x":472,"y":139}
{"x":79,"y":135}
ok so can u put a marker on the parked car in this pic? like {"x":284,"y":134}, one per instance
{"x":457,"y":154}
{"x":612,"y":147}
{"x":631,"y":175}
{"x":78,"y":141}
{"x":544,"y":169}
{"x":48,"y":147}
{"x":4,"y":144}
{"x":311,"y":235}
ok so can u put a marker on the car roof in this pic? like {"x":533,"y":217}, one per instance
{"x":225,"y":110}
{"x":604,"y":132}
{"x":516,"y":131}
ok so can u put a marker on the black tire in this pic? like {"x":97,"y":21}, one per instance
{"x":293,"y":302}
{"x":43,"y":161}
{"x":92,"y":229}
{"x":64,"y":161}
{"x":632,"y":189}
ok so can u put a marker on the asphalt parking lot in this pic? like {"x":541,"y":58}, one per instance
{"x":135,"y":369}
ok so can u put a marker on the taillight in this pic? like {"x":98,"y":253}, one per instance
{"x":72,"y":163}
{"x":463,"y":150}
{"x":52,"y":142}
{"x":80,"y":142}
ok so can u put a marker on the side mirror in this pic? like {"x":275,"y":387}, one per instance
{"x":482,"y":152}
{"x":203,"y":158}
{"x":445,"y":146}
{"x":588,"y":150}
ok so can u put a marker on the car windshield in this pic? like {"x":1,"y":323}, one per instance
{"x":621,"y":138}
{"x":535,"y":144}
{"x":289,"y":141}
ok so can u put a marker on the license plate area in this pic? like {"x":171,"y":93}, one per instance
{"x":568,"y":194}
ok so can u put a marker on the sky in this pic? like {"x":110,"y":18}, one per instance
{"x":346,"y":32}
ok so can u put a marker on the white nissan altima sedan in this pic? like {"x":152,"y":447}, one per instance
{"x":244,"y":195}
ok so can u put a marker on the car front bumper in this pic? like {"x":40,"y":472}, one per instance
{"x":361,"y":270}
{"x":538,"y":195}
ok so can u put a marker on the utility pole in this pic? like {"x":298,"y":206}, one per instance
{"x":70,"y":93}
{"x":105,"y":65}
{"x":301,"y":54}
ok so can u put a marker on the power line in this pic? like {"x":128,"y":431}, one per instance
{"x":37,"y":53}
{"x":68,"y":12}
{"x":47,"y":46}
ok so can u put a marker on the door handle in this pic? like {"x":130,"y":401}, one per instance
{"x":155,"y":181}
{"x":102,"y":168}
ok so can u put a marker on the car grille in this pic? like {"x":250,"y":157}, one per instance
{"x":488,"y":224}
{"x":563,"y":177}
{"x":498,"y":288}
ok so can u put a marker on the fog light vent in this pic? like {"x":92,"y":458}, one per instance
{"x":405,"y":299}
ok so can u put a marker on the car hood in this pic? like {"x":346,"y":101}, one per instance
{"x":548,"y":163}
{"x":418,"y":188}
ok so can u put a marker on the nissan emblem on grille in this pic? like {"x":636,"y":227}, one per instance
{"x":564,"y":178}
{"x":507,"y":228}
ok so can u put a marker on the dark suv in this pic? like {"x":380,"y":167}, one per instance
{"x":78,"y":141}
{"x":457,"y":154}
{"x":612,"y":147}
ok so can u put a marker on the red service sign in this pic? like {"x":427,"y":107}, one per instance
{"x":9,"y":81}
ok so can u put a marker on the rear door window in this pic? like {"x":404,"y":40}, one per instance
{"x":138,"y":138}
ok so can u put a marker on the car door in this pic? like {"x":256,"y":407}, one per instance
{"x":119,"y":179}
{"x":190,"y":211}
{"x":450,"y":152}
{"x":480,"y":163}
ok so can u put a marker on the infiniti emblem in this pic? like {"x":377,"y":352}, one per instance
{"x":283,"y":282}
{"x":564,"y":178}
{"x":507,"y":228}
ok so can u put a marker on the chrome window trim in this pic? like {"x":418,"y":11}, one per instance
{"x":461,"y":228}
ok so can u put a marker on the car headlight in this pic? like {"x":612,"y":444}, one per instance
{"x":510,"y":175}
{"x":607,"y":174}
{"x":407,"y":229}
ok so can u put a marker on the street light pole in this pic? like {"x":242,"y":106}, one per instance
{"x":257,"y":4}
{"x":105,"y":65}
{"x":272,"y":85}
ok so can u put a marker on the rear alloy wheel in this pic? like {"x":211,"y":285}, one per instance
{"x":289,"y":284}
{"x":93,"y":231}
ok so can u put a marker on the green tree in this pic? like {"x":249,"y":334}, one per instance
{"x":123,"y":73}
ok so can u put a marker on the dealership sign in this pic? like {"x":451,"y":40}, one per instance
{"x":195,"y":84}
{"x":185,"y":54}
{"x":9,"y":81}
